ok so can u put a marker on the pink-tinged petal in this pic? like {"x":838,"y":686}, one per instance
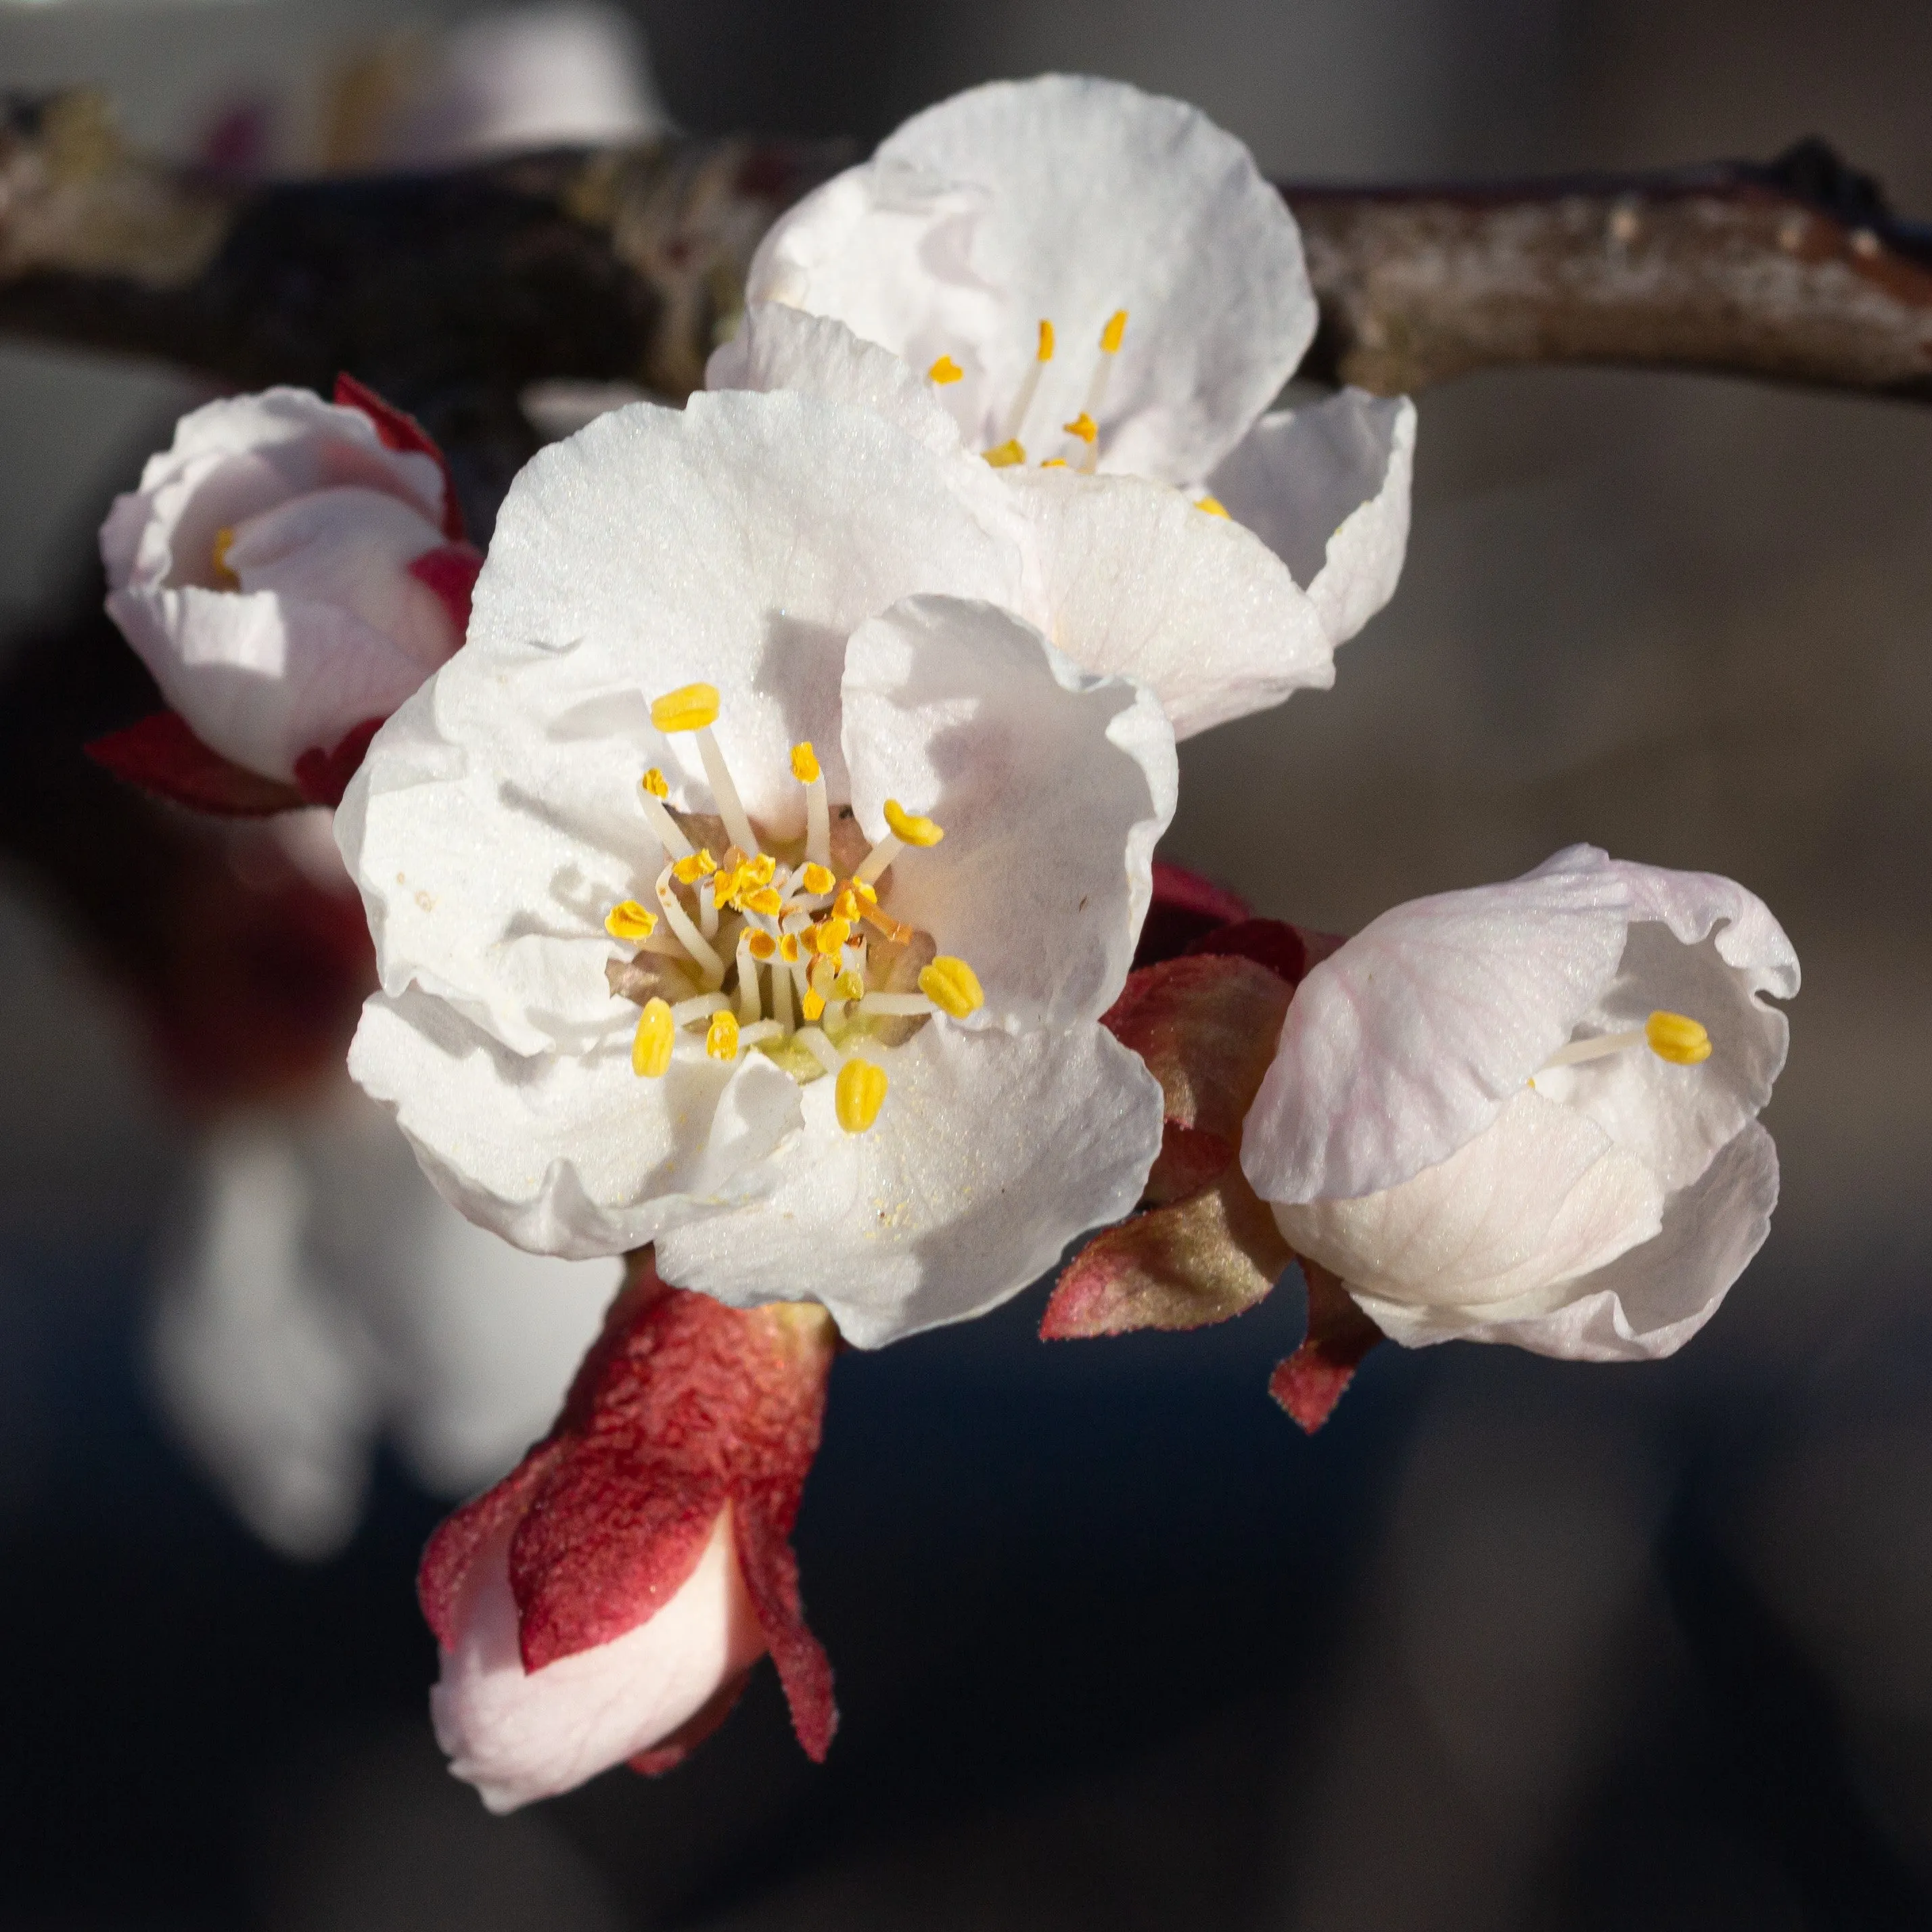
{"x":322,"y":776}
{"x":1311,"y":1382}
{"x":451,"y":570}
{"x":162,"y":755}
{"x":401,"y":431}
{"x":1327,"y":489}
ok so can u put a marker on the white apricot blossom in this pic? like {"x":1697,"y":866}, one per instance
{"x":1527,"y":1112}
{"x":753,"y":882}
{"x":1104,"y":294}
{"x":287,"y":572}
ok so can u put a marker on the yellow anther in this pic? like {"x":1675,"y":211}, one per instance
{"x":766,"y":899}
{"x":693,"y":867}
{"x":945,"y":370}
{"x":788,"y":948}
{"x":830,"y":936}
{"x":1007,"y":454}
{"x":762,"y":945}
{"x":860,"y":1094}
{"x":651,"y":1044}
{"x":1674,"y":1037}
{"x":653,"y":782}
{"x":1084,"y":428}
{"x":805,"y":763}
{"x":1112,"y":336}
{"x":762,"y":870}
{"x":850,"y":985}
{"x":720,"y":1041}
{"x":909,"y":830}
{"x":689,"y":708}
{"x":224,"y":578}
{"x":816,"y":879}
{"x":1055,"y":462}
{"x":1212,"y":505}
{"x":1046,"y":340}
{"x":812,"y":1006}
{"x":630,"y":921}
{"x":952,"y":986}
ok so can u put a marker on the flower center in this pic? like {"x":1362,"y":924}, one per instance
{"x":1676,"y":1037}
{"x":1083,"y":433}
{"x":786,"y":952}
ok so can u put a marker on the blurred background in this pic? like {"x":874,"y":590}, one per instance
{"x":1511,"y":1643}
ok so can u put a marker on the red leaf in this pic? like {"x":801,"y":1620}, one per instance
{"x":681,"y":1407}
{"x":321,"y":777}
{"x":163,"y":756}
{"x":450,"y":571}
{"x":1310,"y":1383}
{"x":401,"y":431}
{"x":1184,"y":906}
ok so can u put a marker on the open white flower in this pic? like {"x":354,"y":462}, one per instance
{"x":1097,"y":283}
{"x":753,"y":883}
{"x":1527,"y":1112}
{"x":288,"y":570}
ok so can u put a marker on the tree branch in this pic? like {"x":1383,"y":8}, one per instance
{"x":452,"y":291}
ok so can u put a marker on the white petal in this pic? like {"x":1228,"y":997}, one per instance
{"x":262,"y":679}
{"x":1065,"y":198}
{"x":1405,"y":1044}
{"x":351,"y":548}
{"x":992,"y":1152}
{"x":1051,"y":785}
{"x":1537,"y":1198}
{"x":1649,"y":1301}
{"x":518,"y":1736}
{"x":738,"y":542}
{"x":777,"y":347}
{"x":1133,"y":577}
{"x":567,"y":1154}
{"x":1327,"y":489}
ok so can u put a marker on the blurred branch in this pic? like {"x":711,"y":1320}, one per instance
{"x":1795,"y":271}
{"x":452,"y":291}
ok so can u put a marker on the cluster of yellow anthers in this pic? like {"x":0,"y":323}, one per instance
{"x":1084,"y":430}
{"x":817,"y":1010}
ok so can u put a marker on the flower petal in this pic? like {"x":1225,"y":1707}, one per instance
{"x":992,"y":1152}
{"x":519,"y":1735}
{"x":1539,"y":1197}
{"x":568,"y":1154}
{"x":1052,"y":785}
{"x":1327,"y":489}
{"x":1405,"y":1044}
{"x":1066,"y":198}
{"x":1132,"y":578}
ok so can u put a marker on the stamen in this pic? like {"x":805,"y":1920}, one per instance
{"x":952,"y":986}
{"x":1213,"y":506}
{"x":829,"y":938}
{"x":720,"y":1043}
{"x":749,"y":1009}
{"x":1111,"y":339}
{"x":821,"y":1048}
{"x":1006,"y":455}
{"x":699,"y":1005}
{"x":1083,"y":426}
{"x":664,"y":828}
{"x":1023,"y":403}
{"x":1674,"y":1037}
{"x":945,"y":370}
{"x":766,"y":900}
{"x":711,"y":968}
{"x":225,"y":578}
{"x":818,"y":811}
{"x":903,"y":829}
{"x":860,"y":1094}
{"x":694,"y":866}
{"x":897,"y":1006}
{"x":693,"y":708}
{"x":756,"y":1036}
{"x":1115,"y":333}
{"x":896,"y":930}
{"x":630,"y":922}
{"x":781,"y":1000}
{"x":762,"y":945}
{"x":817,"y":880}
{"x":652,"y":1043}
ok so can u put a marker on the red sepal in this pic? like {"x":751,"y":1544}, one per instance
{"x":163,"y":756}
{"x":401,"y":431}
{"x":1310,"y":1383}
{"x":321,"y":777}
{"x":681,"y":1407}
{"x":1184,"y":906}
{"x":451,"y":570}
{"x":1289,"y":952}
